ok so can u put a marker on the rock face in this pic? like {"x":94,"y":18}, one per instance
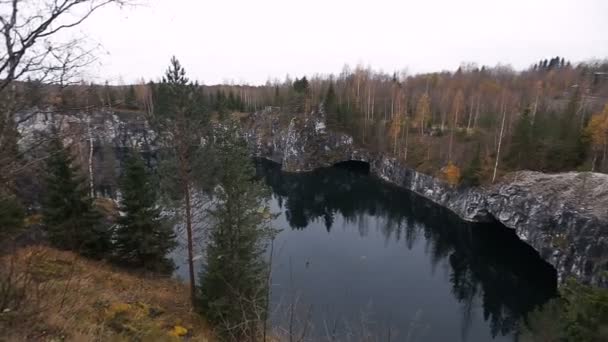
{"x":109,"y":133}
{"x":563,"y":216}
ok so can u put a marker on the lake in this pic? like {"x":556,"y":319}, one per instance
{"x":358,"y":258}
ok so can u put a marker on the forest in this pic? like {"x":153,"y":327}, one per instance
{"x":81,"y":265}
{"x":471,"y":125}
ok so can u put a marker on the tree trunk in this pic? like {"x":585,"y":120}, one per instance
{"x":476,"y":112}
{"x":184,"y":168}
{"x":470,"y":115}
{"x":535,"y":109}
{"x":91,"y":182}
{"x":186,"y":185}
{"x":604,"y":156}
{"x":407,"y":133}
{"x":502,"y":126}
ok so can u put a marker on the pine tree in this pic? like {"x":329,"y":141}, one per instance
{"x":301,"y":85}
{"x":522,"y":145}
{"x":330,"y":98}
{"x":70,"y":218}
{"x":184,"y":122}
{"x":330,"y":105}
{"x":142,"y":238}
{"x":233,"y":284}
{"x":131,"y":98}
{"x":472,"y":174}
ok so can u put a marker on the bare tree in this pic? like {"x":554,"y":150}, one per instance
{"x":29,"y":30}
{"x":31,"y":49}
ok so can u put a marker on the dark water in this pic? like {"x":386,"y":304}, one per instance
{"x":360,"y":257}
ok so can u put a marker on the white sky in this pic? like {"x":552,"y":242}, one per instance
{"x":248,"y":41}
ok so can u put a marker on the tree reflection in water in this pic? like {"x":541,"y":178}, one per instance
{"x":486,"y":260}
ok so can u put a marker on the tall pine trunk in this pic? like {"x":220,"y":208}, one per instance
{"x":188,"y":199}
{"x":502,"y":127}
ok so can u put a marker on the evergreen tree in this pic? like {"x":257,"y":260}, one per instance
{"x":233,"y":283}
{"x":232,"y":101}
{"x":519,"y":155}
{"x":11,"y":216}
{"x":567,"y":150}
{"x":330,"y":105}
{"x":301,"y":85}
{"x":183,"y":121}
{"x":330,"y":98}
{"x":108,"y":95}
{"x":131,"y":98}
{"x":277,"y":96}
{"x":471,"y":175}
{"x":70,"y":218}
{"x":142,"y":238}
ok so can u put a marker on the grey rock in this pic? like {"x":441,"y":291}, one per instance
{"x":563,"y":216}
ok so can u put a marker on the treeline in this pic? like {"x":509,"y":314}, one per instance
{"x":474,"y":124}
{"x":136,"y":97}
{"x":471,"y":125}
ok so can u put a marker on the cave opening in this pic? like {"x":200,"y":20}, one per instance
{"x":357,"y":166}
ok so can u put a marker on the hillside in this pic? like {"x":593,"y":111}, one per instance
{"x":70,"y":298}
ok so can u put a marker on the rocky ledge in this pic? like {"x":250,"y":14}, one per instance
{"x":563,"y":216}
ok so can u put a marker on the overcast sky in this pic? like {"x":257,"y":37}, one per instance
{"x":249,"y":41}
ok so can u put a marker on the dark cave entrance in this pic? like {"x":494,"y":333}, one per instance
{"x":357,"y":166}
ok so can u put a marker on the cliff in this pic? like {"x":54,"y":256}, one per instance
{"x":98,"y":139}
{"x":563,"y":216}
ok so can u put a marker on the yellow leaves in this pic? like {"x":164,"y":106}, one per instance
{"x":597,"y":129}
{"x":395,"y":127}
{"x":394,"y":130}
{"x":457,"y":106}
{"x":178,"y":331}
{"x":451,"y":174}
{"x":423,"y":110}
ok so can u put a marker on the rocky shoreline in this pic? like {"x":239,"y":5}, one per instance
{"x":563,"y":216}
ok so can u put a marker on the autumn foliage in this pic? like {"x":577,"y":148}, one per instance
{"x":451,"y":174}
{"x":597,"y":133}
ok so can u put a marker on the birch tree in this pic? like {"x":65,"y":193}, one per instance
{"x":502,"y":128}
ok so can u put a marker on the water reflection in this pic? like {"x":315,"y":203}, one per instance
{"x":486,"y":265}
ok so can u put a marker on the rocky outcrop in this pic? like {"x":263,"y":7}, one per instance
{"x":563,"y":216}
{"x":107,"y":134}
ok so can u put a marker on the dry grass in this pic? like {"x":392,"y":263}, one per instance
{"x":69,"y":298}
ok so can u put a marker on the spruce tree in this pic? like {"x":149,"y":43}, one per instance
{"x":521,"y":150}
{"x":233,"y":282}
{"x":330,"y":98}
{"x":71,"y":220}
{"x":142,"y":237}
{"x":131,"y":98}
{"x":471,"y":175}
